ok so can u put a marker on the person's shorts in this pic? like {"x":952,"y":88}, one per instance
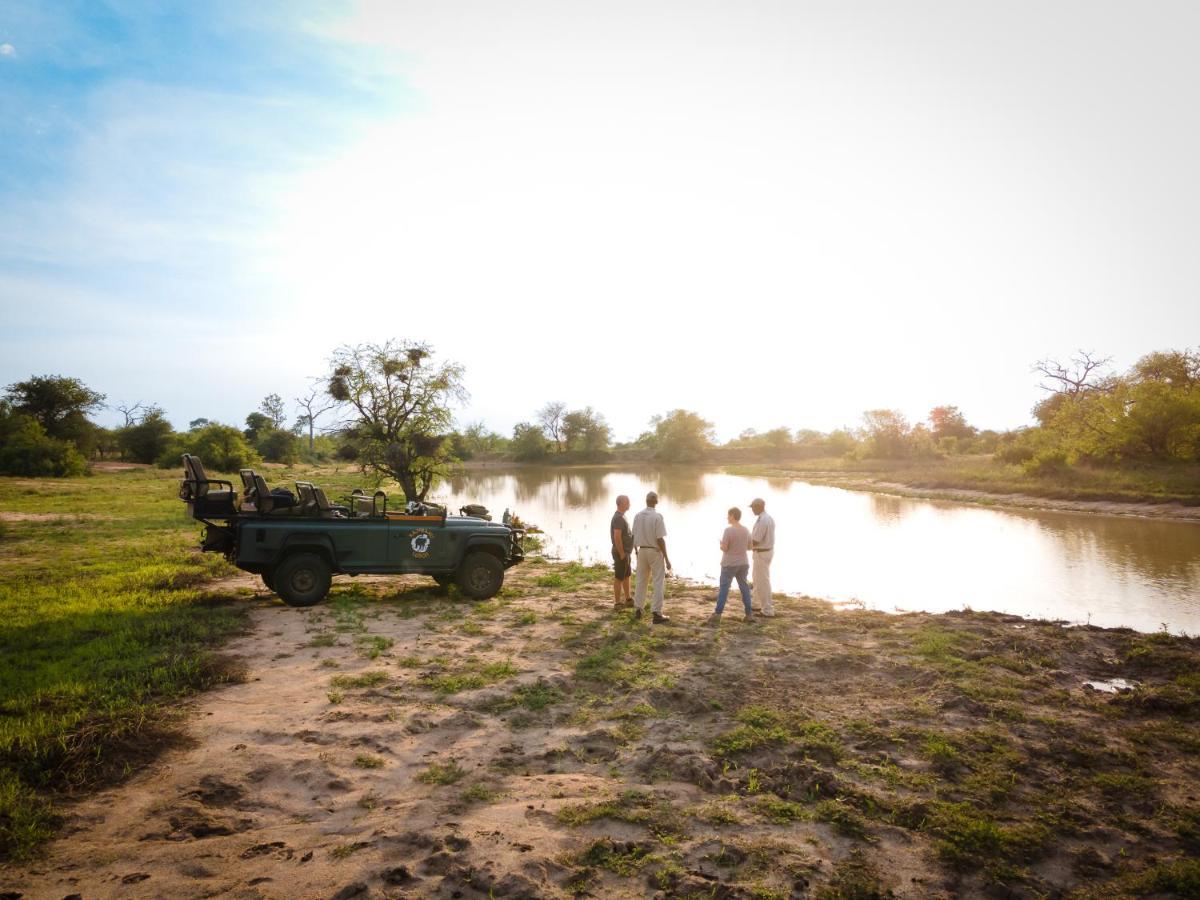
{"x":621,"y":567}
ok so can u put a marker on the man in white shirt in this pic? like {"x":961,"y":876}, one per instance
{"x":762,"y":545}
{"x":649,"y":532}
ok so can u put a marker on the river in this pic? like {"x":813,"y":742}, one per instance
{"x":883,"y":552}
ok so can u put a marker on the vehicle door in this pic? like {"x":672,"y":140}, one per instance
{"x":362,"y":544}
{"x":421,"y":544}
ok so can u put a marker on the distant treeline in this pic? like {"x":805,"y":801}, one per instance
{"x":1089,"y":415}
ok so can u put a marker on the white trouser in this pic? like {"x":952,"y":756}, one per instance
{"x":762,"y":581}
{"x":650,"y":565}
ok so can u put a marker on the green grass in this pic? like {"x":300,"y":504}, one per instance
{"x":365,"y":680}
{"x":574,"y":575}
{"x":533,"y":697}
{"x":781,"y":812}
{"x":762,"y":727}
{"x":479,"y":793}
{"x":442,"y":773}
{"x":620,"y":859}
{"x":374,"y":646}
{"x":626,"y":659}
{"x":469,"y":677}
{"x":969,"y":837}
{"x":366,"y":761}
{"x":656,"y":814}
{"x":103,"y":620}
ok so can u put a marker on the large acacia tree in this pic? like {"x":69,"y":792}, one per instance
{"x":398,"y":399}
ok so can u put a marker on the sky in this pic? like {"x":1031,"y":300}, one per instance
{"x":771,"y":213}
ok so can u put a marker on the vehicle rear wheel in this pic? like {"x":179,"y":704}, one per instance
{"x":302,"y":579}
{"x":480,"y":576}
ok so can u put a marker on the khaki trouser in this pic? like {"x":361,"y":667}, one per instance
{"x":762,"y":581}
{"x":650,"y":565}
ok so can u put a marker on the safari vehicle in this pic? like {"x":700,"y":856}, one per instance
{"x":298,"y":541}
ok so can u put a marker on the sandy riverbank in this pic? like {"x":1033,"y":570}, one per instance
{"x":1173,"y":511}
{"x":398,"y":742}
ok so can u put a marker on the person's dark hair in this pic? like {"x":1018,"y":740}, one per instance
{"x":736,"y":513}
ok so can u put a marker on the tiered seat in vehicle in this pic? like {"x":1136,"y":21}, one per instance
{"x":257,"y":497}
{"x":313,"y":502}
{"x":197,"y":489}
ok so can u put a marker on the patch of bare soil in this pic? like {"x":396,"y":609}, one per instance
{"x":105,"y":465}
{"x":397,"y":741}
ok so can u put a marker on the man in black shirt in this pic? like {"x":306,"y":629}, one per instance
{"x":622,"y":550}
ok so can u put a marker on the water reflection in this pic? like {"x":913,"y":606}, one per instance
{"x":887,"y":509}
{"x":887,"y":552}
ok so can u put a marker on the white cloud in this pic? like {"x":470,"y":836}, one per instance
{"x":8,"y":50}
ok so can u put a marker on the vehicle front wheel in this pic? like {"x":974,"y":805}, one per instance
{"x":480,"y":576}
{"x":302,"y":579}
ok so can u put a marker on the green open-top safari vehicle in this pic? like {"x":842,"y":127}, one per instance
{"x":297,"y":542}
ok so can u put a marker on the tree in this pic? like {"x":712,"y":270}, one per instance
{"x":585,"y":430}
{"x":885,"y":434}
{"x":529,"y":442}
{"x":277,"y":445}
{"x":477,"y":438}
{"x":257,"y":424}
{"x":272,"y":408}
{"x":949,"y":422}
{"x":840,"y":442}
{"x":198,"y":423}
{"x":146,"y":439}
{"x":1177,"y":368}
{"x":681,"y":436}
{"x":1082,"y":372}
{"x":550,"y":417}
{"x":315,"y":404}
{"x":60,"y":405}
{"x":778,"y":440}
{"x":132,"y":412}
{"x":399,"y":404}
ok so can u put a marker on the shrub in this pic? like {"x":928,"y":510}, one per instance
{"x":26,"y":449}
{"x":220,"y":447}
{"x":1048,"y":463}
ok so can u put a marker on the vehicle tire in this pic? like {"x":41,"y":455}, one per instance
{"x":268,"y":578}
{"x":480,"y":576}
{"x":302,"y":579}
{"x":444,"y":581}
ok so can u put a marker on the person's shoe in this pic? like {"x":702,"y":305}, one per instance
{"x":627,"y":602}
{"x":659,"y":618}
{"x":637,"y":614}
{"x":713,"y":621}
{"x":749,"y":618}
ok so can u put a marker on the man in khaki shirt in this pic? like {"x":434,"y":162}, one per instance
{"x":762,"y":545}
{"x":649,"y":533}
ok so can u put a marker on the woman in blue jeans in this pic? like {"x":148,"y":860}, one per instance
{"x":735,"y":544}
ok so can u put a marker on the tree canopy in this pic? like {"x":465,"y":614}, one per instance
{"x":681,"y":436}
{"x":398,"y":401}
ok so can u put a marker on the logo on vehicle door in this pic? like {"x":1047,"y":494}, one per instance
{"x":420,"y":543}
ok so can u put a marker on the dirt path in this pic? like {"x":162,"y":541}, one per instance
{"x":395,"y":742}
